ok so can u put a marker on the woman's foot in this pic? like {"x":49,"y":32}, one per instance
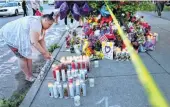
{"x":30,"y":79}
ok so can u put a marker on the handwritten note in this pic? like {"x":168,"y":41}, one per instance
{"x":107,"y":49}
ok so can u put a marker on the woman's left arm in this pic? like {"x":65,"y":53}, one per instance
{"x":42,"y":43}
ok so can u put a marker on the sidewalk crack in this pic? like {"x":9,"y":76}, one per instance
{"x":157,"y":63}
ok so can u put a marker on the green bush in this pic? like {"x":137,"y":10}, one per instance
{"x":149,"y":6}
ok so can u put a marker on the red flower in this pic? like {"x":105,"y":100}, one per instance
{"x":122,"y":3}
{"x":123,"y":46}
{"x":106,"y":20}
{"x":133,"y":20}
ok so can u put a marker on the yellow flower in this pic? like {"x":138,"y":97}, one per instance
{"x":88,"y":52}
{"x":99,"y":54}
{"x":85,"y":46}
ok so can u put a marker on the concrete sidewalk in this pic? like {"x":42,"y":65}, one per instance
{"x":115,"y":81}
{"x":165,"y":15}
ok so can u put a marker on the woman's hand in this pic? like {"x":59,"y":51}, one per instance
{"x":47,"y":55}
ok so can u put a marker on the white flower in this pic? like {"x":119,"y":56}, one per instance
{"x":123,"y":14}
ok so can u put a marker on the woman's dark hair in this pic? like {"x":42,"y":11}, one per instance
{"x":49,"y":16}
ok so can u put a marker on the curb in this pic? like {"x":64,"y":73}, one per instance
{"x":31,"y":94}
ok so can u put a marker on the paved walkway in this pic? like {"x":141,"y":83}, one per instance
{"x":115,"y":81}
{"x":165,"y":15}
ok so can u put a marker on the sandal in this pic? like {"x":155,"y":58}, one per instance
{"x":30,"y":79}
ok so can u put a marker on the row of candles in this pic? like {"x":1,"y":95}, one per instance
{"x":71,"y":67}
{"x":66,"y":90}
{"x":82,"y":59}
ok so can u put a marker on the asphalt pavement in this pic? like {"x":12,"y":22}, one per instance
{"x":8,"y":64}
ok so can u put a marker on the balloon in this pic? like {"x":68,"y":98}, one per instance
{"x":104,"y":12}
{"x":80,"y":3}
{"x":76,"y":12}
{"x":63,"y":10}
{"x":58,"y":4}
{"x":85,"y":10}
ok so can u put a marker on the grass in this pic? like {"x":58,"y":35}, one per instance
{"x":14,"y":101}
{"x":148,"y":6}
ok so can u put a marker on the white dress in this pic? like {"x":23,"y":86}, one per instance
{"x":17,"y":34}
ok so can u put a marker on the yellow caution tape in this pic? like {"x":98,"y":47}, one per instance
{"x":155,"y":96}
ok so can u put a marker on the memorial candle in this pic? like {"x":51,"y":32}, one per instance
{"x":88,"y":63}
{"x":63,"y":75}
{"x":55,"y":90}
{"x":50,"y":88}
{"x":77,"y":87}
{"x":65,"y":87}
{"x":77,"y":101}
{"x":68,"y":73}
{"x":83,"y":74}
{"x":57,"y":75}
{"x":78,"y":65}
{"x":83,"y":88}
{"x":76,"y":72}
{"x":73,"y":65}
{"x":83,"y":65}
{"x":71,"y":90}
{"x":70,"y":79}
{"x":60,"y":90}
{"x":73,"y":72}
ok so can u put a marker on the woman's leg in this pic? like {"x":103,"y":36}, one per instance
{"x":29,"y":64}
{"x":159,"y":8}
{"x":24,"y":67}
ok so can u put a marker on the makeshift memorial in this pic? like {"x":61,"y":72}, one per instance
{"x":137,"y":31}
{"x":99,"y":27}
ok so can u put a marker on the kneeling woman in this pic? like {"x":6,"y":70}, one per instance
{"x":23,"y":36}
